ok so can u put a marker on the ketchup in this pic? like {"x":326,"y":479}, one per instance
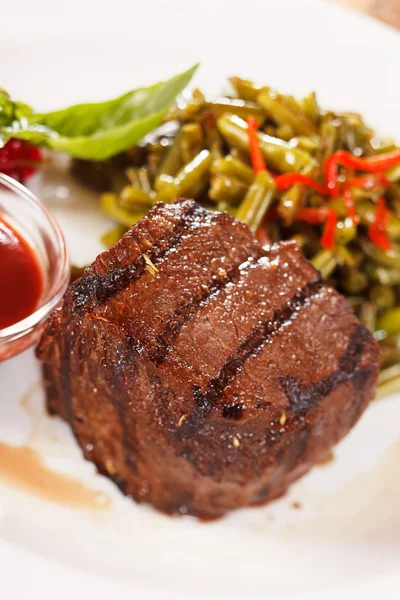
{"x":21,"y":278}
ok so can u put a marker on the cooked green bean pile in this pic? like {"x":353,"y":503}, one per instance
{"x":202,"y":152}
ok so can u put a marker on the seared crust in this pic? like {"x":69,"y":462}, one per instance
{"x":200,"y":371}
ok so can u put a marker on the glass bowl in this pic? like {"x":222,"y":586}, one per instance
{"x":31,"y":219}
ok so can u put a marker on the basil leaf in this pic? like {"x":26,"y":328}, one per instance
{"x":107,"y":142}
{"x":13,"y":115}
{"x":98,"y":131}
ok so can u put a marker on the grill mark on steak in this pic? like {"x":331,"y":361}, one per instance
{"x":250,"y":346}
{"x":187,"y":310}
{"x":183,"y":314}
{"x":303,"y":398}
{"x":100,"y":288}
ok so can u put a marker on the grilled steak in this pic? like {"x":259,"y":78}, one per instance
{"x":200,"y":371}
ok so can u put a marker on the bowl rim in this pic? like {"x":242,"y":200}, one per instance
{"x":61,"y":279}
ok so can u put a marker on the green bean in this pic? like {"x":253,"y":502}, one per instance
{"x":242,"y":155}
{"x":353,"y":132}
{"x":393,"y":174}
{"x":134,"y":198}
{"x":278,"y":153}
{"x":385,"y":276}
{"x":345,"y":231}
{"x":325,"y":262}
{"x":153,"y":162}
{"x":133,"y":176}
{"x":112,"y":236}
{"x":329,"y":136}
{"x":235,"y":106}
{"x":198,"y":95}
{"x":145,"y":181}
{"x":189,"y":109}
{"x":310,"y":107}
{"x":382,"y":296}
{"x":386,"y":258}
{"x":285,"y":132}
{"x":306,"y":143}
{"x":191,"y":141}
{"x":385,"y":145}
{"x":290,"y":202}
{"x":224,"y":206}
{"x":233,"y":168}
{"x":339,"y":206}
{"x":388,"y":382}
{"x":167,"y":193}
{"x":359,"y":194}
{"x":191,"y":180}
{"x":344,"y":256}
{"x":366,"y":212}
{"x":354,"y":281}
{"x":288,"y":99}
{"x":212,"y":137}
{"x":139,"y":177}
{"x":226,"y":188}
{"x":257,"y":201}
{"x":367,"y":315}
{"x":245,"y":89}
{"x":110,"y":208}
{"x":389,"y":321}
{"x":300,"y":239}
{"x":172,"y":160}
{"x":284,"y":112}
{"x":162,"y":181}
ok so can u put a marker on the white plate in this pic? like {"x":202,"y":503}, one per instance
{"x":345,"y":540}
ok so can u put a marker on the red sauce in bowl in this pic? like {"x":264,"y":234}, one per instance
{"x":21,"y":278}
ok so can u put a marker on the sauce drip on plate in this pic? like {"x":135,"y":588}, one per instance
{"x":21,"y":278}
{"x":23,"y":468}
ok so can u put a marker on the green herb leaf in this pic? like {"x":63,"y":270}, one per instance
{"x":109,"y":141}
{"x":95,"y":131}
{"x":13,"y":115}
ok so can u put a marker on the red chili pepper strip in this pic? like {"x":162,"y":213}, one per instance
{"x":370,"y":164}
{"x":256,"y":156}
{"x":318,"y":216}
{"x":365,"y":182}
{"x":331,"y":175}
{"x":328,"y":237}
{"x":350,"y":206}
{"x":283,"y":182}
{"x":313,"y":216}
{"x":377,"y":231}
